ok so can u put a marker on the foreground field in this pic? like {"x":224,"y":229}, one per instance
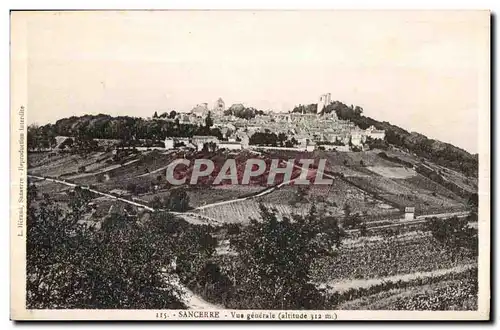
{"x":402,"y":254}
{"x":411,"y":271}
{"x":455,"y":294}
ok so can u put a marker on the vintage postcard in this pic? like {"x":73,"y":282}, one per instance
{"x":250,"y":165}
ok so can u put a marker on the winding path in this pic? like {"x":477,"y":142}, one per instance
{"x":94,"y":191}
{"x":342,"y":286}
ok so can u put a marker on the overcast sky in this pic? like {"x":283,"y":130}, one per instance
{"x":419,"y":70}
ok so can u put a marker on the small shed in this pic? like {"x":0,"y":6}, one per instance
{"x":409,"y":213}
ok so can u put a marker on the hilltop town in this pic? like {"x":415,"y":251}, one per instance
{"x":302,"y":131}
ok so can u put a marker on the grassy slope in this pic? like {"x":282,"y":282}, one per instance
{"x":363,"y":189}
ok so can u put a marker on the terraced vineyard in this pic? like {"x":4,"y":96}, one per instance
{"x":242,"y":211}
{"x":402,"y":254}
{"x":453,"y":292}
{"x":401,"y":192}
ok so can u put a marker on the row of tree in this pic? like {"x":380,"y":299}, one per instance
{"x":170,"y":115}
{"x":272,"y":139}
{"x":301,"y":108}
{"x":243,"y":112}
{"x":127,"y":129}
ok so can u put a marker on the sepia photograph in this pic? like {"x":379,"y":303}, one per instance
{"x":250,"y":165}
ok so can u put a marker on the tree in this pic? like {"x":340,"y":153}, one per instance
{"x":455,"y":233}
{"x":282,"y":138}
{"x":172,"y":114}
{"x":155,"y":115}
{"x":40,"y":137}
{"x":70,"y":265}
{"x":66,"y":143}
{"x":177,"y":200}
{"x":352,"y":221}
{"x":347,"y":210}
{"x":276,"y":256}
{"x":32,"y":192}
{"x":311,"y":108}
{"x":132,"y":188}
{"x":52,"y":270}
{"x":363,"y":229}
{"x":84,"y":143}
{"x":264,"y":138}
{"x":209,"y":121}
{"x":473,"y":202}
{"x":376,"y":143}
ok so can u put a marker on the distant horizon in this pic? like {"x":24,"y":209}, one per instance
{"x":419,"y":70}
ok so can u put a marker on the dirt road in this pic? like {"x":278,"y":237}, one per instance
{"x":94,"y":191}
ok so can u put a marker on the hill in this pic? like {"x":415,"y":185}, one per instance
{"x":439,"y":152}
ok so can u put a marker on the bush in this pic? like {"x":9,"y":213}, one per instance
{"x":454,"y":233}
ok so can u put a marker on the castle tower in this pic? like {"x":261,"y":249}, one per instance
{"x":324,"y":100}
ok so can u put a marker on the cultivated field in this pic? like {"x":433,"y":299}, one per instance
{"x":392,"y":172}
{"x":458,"y":292}
{"x":402,"y":254}
{"x":242,"y":211}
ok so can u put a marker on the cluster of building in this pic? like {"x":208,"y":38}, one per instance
{"x":310,"y":130}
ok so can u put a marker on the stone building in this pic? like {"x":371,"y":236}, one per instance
{"x":200,"y":140}
{"x":375,"y":133}
{"x":219,"y":106}
{"x":230,"y":145}
{"x":200,"y":110}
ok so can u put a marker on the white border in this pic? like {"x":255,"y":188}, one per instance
{"x":268,"y":4}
